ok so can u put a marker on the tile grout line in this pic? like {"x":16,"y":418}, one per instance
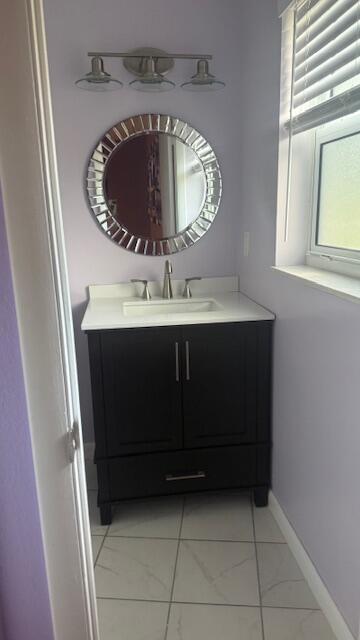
{"x":208,"y":604}
{"x":175,"y":567}
{"x":101,"y":546}
{"x":191,"y":539}
{"x":257,"y":571}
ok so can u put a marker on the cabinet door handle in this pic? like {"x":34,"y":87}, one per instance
{"x":197,"y":475}
{"x":177,"y":372}
{"x":187,"y":358}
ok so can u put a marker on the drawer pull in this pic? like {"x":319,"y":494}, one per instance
{"x":187,"y":357}
{"x":197,"y":475}
{"x":177,"y":373}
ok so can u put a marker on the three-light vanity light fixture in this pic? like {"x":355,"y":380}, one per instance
{"x":150,"y":67}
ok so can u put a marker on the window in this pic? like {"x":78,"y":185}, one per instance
{"x":336,"y":201}
{"x":319,"y":159}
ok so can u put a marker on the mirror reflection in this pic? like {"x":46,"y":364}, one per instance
{"x":154,"y":185}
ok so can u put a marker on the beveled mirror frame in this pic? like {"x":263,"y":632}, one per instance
{"x":135,"y":126}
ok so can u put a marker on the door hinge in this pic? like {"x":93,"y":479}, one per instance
{"x":73,"y":437}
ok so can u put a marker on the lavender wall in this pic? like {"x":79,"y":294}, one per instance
{"x":81,"y":117}
{"x":316,"y":472}
{"x":24,"y":600}
{"x":317,"y":344}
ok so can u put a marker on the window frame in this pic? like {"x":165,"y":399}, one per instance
{"x":296,"y":253}
{"x":330,"y":132}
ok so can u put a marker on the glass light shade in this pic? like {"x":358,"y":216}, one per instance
{"x":98,"y":79}
{"x":214,"y":85}
{"x":152,"y":85}
{"x":151,"y":80}
{"x":203,"y":80}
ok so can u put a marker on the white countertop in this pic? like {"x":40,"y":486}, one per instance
{"x":106,"y":307}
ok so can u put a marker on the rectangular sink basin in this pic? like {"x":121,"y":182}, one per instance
{"x":161,"y":307}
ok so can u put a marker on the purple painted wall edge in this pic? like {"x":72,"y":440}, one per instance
{"x":24,"y":598}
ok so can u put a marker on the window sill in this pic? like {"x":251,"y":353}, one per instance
{"x":338,"y":285}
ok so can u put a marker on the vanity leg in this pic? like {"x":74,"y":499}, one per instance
{"x":261,"y":496}
{"x":105,"y":514}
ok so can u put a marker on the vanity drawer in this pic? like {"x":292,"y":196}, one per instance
{"x":181,"y":471}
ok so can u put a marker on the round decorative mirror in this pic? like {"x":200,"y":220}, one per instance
{"x":154,"y":184}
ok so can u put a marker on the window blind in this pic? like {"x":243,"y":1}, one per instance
{"x":326,"y":62}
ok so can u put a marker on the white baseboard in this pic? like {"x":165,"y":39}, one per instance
{"x":89,"y":450}
{"x":317,"y":586}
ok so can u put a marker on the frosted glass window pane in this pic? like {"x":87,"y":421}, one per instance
{"x":339,"y":194}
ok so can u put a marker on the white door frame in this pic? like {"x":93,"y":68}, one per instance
{"x":37,"y":254}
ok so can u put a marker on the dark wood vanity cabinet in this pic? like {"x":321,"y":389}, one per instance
{"x":141,"y":397}
{"x":179,"y":409}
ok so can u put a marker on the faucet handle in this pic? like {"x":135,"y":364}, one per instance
{"x":187,"y":292}
{"x":146,"y":293}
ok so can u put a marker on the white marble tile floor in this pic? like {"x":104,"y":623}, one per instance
{"x":200,"y":567}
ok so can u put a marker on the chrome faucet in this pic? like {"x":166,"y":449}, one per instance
{"x":187,"y":292}
{"x":167,"y":288}
{"x":146,"y":293}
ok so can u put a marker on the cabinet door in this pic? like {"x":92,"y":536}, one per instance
{"x":219,"y":364}
{"x":142,"y":390}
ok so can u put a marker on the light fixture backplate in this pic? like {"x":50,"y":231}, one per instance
{"x":134,"y":65}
